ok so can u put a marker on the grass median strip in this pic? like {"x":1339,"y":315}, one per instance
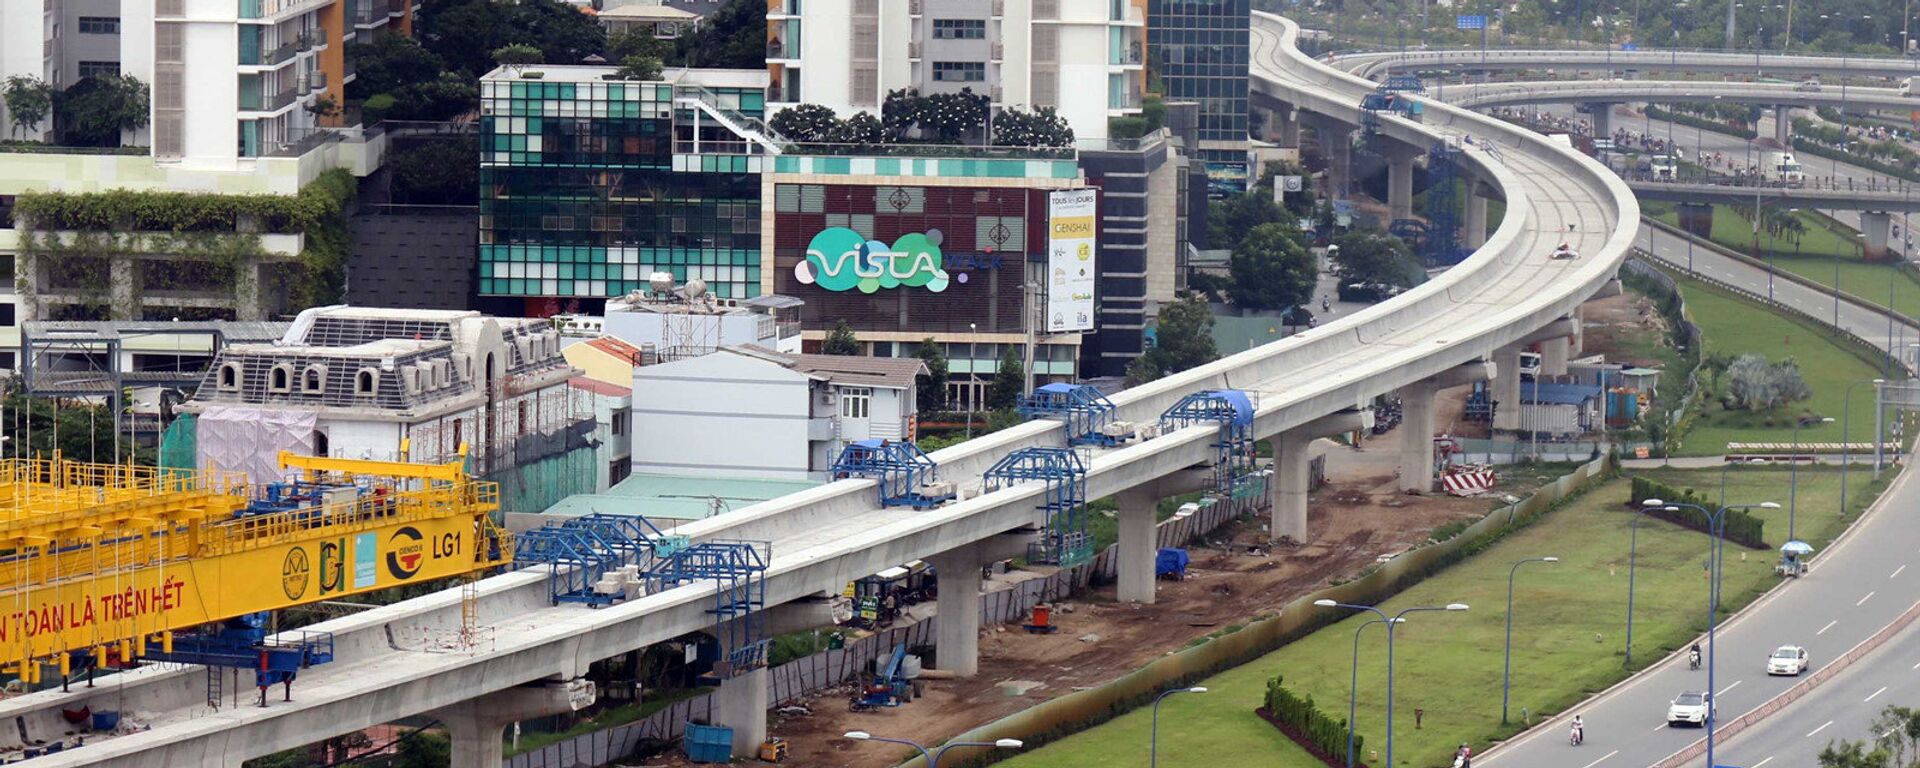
{"x":1569,"y":634}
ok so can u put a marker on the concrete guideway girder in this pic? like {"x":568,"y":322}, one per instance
{"x":1769,"y":95}
{"x":829,"y":535}
{"x":1645,"y":60}
{"x":1417,"y":421}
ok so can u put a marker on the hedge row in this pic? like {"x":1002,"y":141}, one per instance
{"x":1321,"y":733}
{"x":151,"y":211}
{"x":1701,"y":123}
{"x":1853,"y":158}
{"x":1738,"y":527}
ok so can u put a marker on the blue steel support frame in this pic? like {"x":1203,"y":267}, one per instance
{"x":1081,"y":408}
{"x":1232,"y":409}
{"x":581,"y":550}
{"x":1065,"y":541}
{"x":897,"y":468}
{"x":1442,"y":244}
{"x":739,"y":569}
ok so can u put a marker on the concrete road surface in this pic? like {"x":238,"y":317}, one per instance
{"x":1853,"y":590}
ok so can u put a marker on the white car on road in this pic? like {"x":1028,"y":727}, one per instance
{"x":1787,"y":660}
{"x":1689,"y":708}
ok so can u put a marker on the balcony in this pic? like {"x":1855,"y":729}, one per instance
{"x":397,"y":7}
{"x":274,"y":103}
{"x":999,"y":51}
{"x":273,"y":58}
{"x":304,"y":42}
{"x":366,"y":15}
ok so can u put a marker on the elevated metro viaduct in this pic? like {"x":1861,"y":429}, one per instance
{"x":1506,"y":294}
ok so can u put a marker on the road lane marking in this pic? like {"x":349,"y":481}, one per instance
{"x":1811,"y":733}
{"x":1763,"y":762}
{"x":1661,"y":726}
{"x":1603,"y":758}
{"x":1896,"y":572}
{"x":1823,"y":630}
{"x":1883,"y":689}
{"x":1864,"y":600}
{"x":1736,"y":684}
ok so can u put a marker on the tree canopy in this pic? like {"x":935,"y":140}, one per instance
{"x":734,"y":37}
{"x":1009,"y":381}
{"x":1231,"y":219}
{"x":1045,"y":128}
{"x":1183,"y":339}
{"x":96,"y":110}
{"x":1272,"y":270}
{"x":932,"y":388}
{"x":466,"y":33}
{"x":840,"y":341}
{"x":1373,"y":256}
{"x":29,"y":102}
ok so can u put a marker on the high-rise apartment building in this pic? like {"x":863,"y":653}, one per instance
{"x":1084,"y":58}
{"x":1199,"y":50}
{"x":230,"y":79}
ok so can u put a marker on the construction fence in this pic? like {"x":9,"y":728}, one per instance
{"x":801,"y":678}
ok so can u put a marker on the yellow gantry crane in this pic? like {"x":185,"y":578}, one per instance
{"x":114,"y":562}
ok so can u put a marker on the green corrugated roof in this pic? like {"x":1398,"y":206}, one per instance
{"x":676,"y":497}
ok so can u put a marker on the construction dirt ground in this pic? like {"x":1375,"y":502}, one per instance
{"x":1357,"y":518}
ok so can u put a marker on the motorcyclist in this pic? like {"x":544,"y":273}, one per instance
{"x":1463,"y":757}
{"x":1693,"y":656}
{"x":1579,"y":730}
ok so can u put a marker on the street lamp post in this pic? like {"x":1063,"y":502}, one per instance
{"x":1391,"y":621}
{"x":1633,"y":555}
{"x":1793,"y":470}
{"x":1506,"y":674}
{"x":1715,"y":527}
{"x":1153,"y":735}
{"x":933,"y":757}
{"x":1353,"y":691}
{"x":1846,"y":436}
{"x":973,"y":374}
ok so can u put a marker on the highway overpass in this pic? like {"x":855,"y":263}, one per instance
{"x":1485,"y":95}
{"x":1378,"y":63}
{"x":1864,"y":197}
{"x":389,"y":666}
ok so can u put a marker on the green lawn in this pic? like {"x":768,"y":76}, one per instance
{"x":1733,"y":327}
{"x":1568,"y":636}
{"x":1825,"y":245}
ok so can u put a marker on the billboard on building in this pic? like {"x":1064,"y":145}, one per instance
{"x":1071,"y":251}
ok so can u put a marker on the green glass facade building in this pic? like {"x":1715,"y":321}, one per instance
{"x":589,"y":185}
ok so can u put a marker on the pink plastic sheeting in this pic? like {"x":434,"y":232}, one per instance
{"x":250,"y":440}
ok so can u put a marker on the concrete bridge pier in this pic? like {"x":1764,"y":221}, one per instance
{"x":1417,"y":422}
{"x":1137,"y":549}
{"x":1283,"y":127}
{"x":1554,"y":354}
{"x":1400,"y":181}
{"x":1601,"y":114}
{"x":1336,"y":140}
{"x":477,"y":726}
{"x":741,"y":703}
{"x":957,"y":632}
{"x":1291,"y":472}
{"x":1874,"y":227}
{"x":1783,"y":125}
{"x":1506,"y":379}
{"x":1473,"y":226}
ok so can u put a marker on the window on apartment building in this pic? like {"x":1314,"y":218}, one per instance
{"x":7,"y":318}
{"x":99,"y":25}
{"x":959,"y":71}
{"x":99,"y":69}
{"x":6,"y":211}
{"x":856,"y":402}
{"x":619,"y":424}
{"x":959,"y":29}
{"x":366,"y":381}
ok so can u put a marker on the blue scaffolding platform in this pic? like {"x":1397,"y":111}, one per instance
{"x":1406,"y":83}
{"x":1064,"y":540}
{"x":905,"y":476}
{"x":739,"y":569}
{"x":1232,"y":409}
{"x":246,"y":642}
{"x":1081,"y":408}
{"x":580,"y":552}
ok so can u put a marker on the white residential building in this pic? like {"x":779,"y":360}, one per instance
{"x":1084,"y":58}
{"x":749,"y":411}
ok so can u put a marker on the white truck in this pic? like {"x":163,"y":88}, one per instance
{"x":1664,"y":167}
{"x":1910,"y":86}
{"x":1782,"y":168}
